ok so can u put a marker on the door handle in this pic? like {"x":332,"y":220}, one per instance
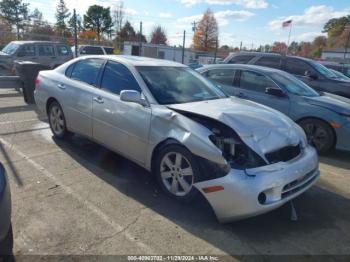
{"x":99,"y":100}
{"x":61,"y":86}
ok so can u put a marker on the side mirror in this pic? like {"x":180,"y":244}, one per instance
{"x":275,"y":91}
{"x":132,"y":96}
{"x":311,"y":75}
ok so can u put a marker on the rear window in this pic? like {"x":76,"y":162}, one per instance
{"x":92,"y":50}
{"x":87,"y":70}
{"x":274,"y":62}
{"x":241,"y":59}
{"x":63,"y":50}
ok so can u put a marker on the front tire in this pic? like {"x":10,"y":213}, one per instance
{"x":177,"y":172}
{"x":57,"y":121}
{"x":319,"y":134}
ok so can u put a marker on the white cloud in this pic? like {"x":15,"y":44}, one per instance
{"x":165,"y":15}
{"x":314,"y":15}
{"x":254,"y":4}
{"x":221,"y":16}
{"x":309,"y":36}
{"x":130,"y":11}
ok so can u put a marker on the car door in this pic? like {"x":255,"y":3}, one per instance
{"x":252,"y":86}
{"x":303,"y":71}
{"x":223,"y":78}
{"x":78,"y":90}
{"x":27,"y":52}
{"x":121,"y":126}
{"x":46,"y":55}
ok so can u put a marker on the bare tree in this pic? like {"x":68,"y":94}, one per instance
{"x":118,"y":16}
{"x":158,"y":36}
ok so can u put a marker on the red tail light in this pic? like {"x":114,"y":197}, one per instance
{"x":36,"y":82}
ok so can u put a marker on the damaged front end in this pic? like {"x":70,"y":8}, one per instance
{"x":237,"y":154}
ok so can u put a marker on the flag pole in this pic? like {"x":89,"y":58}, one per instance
{"x":290,"y":30}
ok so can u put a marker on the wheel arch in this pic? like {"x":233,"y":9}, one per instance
{"x":49,"y":102}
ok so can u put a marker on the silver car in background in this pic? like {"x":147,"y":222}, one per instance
{"x":245,"y":158}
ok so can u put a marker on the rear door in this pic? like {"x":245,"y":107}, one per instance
{"x":79,"y":88}
{"x":46,"y":54}
{"x":122,"y":126}
{"x":252,"y":86}
{"x":64,"y":53}
{"x":269,"y":61}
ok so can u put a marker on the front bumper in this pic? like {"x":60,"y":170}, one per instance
{"x":343,"y":138}
{"x":5,"y":207}
{"x":280,"y":183}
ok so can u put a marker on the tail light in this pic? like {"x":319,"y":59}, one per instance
{"x":36,"y":82}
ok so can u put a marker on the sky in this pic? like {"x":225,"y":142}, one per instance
{"x":254,"y":22}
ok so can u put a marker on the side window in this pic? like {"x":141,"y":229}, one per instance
{"x":274,"y":62}
{"x":221,"y":76}
{"x":92,"y":50}
{"x":87,"y":70}
{"x":116,"y":77}
{"x":62,"y":50}
{"x":297,"y":67}
{"x":46,"y":50}
{"x":241,"y":59}
{"x":69,"y":70}
{"x":28,"y":50}
{"x":109,"y":50}
{"x":254,"y":81}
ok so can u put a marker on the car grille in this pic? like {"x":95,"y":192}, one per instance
{"x":298,"y":184}
{"x":284,"y":154}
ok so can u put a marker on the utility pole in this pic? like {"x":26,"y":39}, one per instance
{"x":194,"y":26}
{"x":347,"y":27}
{"x":240,"y":46}
{"x":216,"y":50}
{"x":183,"y":47}
{"x":75,"y":33}
{"x":140,"y":39}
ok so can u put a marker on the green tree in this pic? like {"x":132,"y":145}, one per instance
{"x":127,"y":33}
{"x":62,"y":13}
{"x":15,"y":13}
{"x":98,"y":19}
{"x":79,"y":24}
{"x":335,"y":26}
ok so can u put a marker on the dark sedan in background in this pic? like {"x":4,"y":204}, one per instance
{"x":6,"y":239}
{"x":309,"y":71}
{"x":324,"y":117}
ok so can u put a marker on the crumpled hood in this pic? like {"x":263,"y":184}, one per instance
{"x":261,"y":128}
{"x":332,"y":102}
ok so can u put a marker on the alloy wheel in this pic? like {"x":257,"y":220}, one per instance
{"x":57,"y":120}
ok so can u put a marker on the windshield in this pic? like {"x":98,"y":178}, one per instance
{"x":175,"y":85}
{"x":323,"y":70}
{"x":10,"y":48}
{"x":293,"y":84}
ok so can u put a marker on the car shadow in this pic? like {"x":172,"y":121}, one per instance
{"x":337,"y":158}
{"x":319,"y":211}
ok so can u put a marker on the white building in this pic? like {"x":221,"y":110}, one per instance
{"x":159,"y":51}
{"x":336,"y":54}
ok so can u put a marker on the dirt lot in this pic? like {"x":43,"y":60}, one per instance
{"x":76,"y":197}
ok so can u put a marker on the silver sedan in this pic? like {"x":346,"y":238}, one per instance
{"x":245,"y":158}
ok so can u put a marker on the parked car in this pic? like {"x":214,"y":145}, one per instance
{"x":342,"y":68}
{"x":6,"y":238}
{"x":47,"y":53}
{"x":339,"y":74}
{"x":93,"y":50}
{"x":172,"y":121}
{"x":324,"y":117}
{"x":309,"y":71}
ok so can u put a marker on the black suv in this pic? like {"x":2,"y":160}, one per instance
{"x":309,"y":71}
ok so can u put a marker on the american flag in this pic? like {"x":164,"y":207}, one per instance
{"x":286,"y":23}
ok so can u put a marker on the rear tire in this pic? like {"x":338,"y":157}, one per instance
{"x":6,"y":245}
{"x":57,"y":121}
{"x":176,"y":172}
{"x":319,"y":134}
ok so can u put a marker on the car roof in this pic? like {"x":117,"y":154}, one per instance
{"x":263,"y":54}
{"x":239,"y":66}
{"x":137,"y":60}
{"x":36,"y":42}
